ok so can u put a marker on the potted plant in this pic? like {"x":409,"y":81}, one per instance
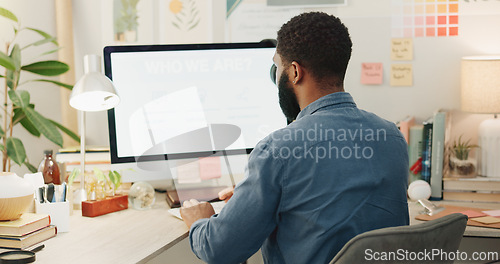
{"x":17,"y":108}
{"x":461,"y":165}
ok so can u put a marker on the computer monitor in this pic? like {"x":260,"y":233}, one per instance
{"x":182,"y":103}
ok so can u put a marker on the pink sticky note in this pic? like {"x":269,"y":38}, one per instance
{"x":371,"y":73}
{"x":472,"y":214}
{"x":210,"y":168}
{"x":495,"y":213}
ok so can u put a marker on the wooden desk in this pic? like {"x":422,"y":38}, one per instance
{"x":128,"y":236}
{"x":470,"y":231}
{"x":132,"y":236}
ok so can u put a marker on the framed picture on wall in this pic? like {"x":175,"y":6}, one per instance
{"x":128,"y":22}
{"x":185,"y":21}
{"x":306,"y":3}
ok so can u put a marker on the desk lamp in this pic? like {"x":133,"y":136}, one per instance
{"x":480,"y":92}
{"x":93,"y":92}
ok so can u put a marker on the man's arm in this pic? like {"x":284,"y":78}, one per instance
{"x":249,"y":217}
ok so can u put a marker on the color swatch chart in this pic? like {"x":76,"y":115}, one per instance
{"x":424,"y":18}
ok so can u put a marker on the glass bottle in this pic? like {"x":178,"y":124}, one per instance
{"x":49,"y":168}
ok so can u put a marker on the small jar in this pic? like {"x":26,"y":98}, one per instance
{"x":49,"y":168}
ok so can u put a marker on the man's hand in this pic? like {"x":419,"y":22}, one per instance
{"x":226,"y":194}
{"x":192,"y":211}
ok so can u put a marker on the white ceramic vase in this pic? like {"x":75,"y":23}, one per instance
{"x":16,"y":196}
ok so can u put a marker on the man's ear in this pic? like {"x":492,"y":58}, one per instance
{"x":297,"y":72}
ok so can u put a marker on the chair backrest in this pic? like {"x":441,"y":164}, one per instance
{"x":415,"y":243}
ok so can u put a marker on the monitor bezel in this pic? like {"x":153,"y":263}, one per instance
{"x":108,"y":50}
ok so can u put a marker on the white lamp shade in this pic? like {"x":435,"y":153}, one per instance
{"x":94,"y":92}
{"x":480,"y":84}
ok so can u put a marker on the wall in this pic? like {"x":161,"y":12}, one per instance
{"x":436,"y":62}
{"x":39,"y":15}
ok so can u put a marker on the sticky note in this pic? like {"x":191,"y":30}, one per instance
{"x":487,"y":220}
{"x":210,"y":168}
{"x":401,"y":75}
{"x":188,"y":173}
{"x":472,"y":214}
{"x":371,"y":73}
{"x":402,"y":49}
{"x":495,"y":213}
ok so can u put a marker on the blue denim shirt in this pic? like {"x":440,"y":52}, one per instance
{"x":335,"y":172}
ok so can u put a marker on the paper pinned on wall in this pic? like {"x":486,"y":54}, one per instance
{"x":188,"y":173}
{"x":401,"y":75}
{"x":210,"y":168}
{"x":402,"y":49}
{"x":371,"y":73}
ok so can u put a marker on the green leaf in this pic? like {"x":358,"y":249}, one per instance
{"x":12,"y":81}
{"x":99,"y":174}
{"x":67,"y":86}
{"x":7,"y":61}
{"x":15,"y":150}
{"x":47,"y":68}
{"x":6,"y":13}
{"x":44,"y":34}
{"x":30,"y":167}
{"x":115,"y":178}
{"x":50,"y":51}
{"x":47,"y":128}
{"x":39,"y":42}
{"x":19,"y":98}
{"x":66,"y":130}
{"x":15,"y":54}
{"x":2,"y":133}
{"x":72,"y":176}
{"x":2,"y":147}
{"x":18,"y":116}
{"x":30,"y":127}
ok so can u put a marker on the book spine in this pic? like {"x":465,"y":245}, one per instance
{"x":426,"y":151}
{"x":458,"y":184}
{"x":471,"y":196}
{"x":437,"y":156}
{"x":415,"y":150}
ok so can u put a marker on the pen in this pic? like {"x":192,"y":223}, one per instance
{"x":50,"y":193}
{"x":40,"y":194}
{"x":64,"y":189}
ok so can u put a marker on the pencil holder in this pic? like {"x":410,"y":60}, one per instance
{"x":59,"y":214}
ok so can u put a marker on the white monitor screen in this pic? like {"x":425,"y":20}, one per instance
{"x":186,"y":101}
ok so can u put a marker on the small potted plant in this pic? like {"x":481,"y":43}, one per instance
{"x":461,"y":165}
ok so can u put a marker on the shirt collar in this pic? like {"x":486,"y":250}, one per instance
{"x":332,"y":99}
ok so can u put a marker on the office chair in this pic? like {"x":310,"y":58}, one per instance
{"x":440,"y":235}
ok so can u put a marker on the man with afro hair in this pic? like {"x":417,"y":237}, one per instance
{"x":334,"y":172}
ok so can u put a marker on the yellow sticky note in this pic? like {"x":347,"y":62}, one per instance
{"x":402,"y":49}
{"x":401,"y":75}
{"x":487,"y":220}
{"x":371,"y":73}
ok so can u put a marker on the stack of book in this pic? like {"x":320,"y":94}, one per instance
{"x":478,"y":189}
{"x":427,"y":149}
{"x":28,"y":230}
{"x":95,"y":157}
